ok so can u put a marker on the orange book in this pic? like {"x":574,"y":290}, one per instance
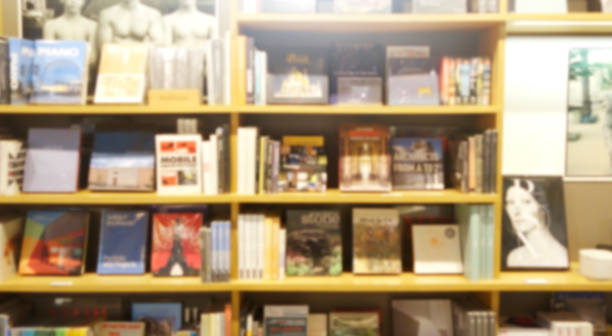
{"x":228,"y":320}
{"x":274,"y":247}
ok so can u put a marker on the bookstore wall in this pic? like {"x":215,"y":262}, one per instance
{"x":305,"y":168}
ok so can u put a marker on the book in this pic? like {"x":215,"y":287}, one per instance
{"x":12,"y":164}
{"x":5,"y":88}
{"x":122,"y":161}
{"x":418,"y":163}
{"x":297,"y":76}
{"x":422,"y":317}
{"x":365,"y":162}
{"x":356,"y":73}
{"x":162,"y":318}
{"x":178,"y":162}
{"x":52,"y":160}
{"x":285,"y":320}
{"x":122,"y":74}
{"x":359,"y":90}
{"x":11,"y":227}
{"x":543,"y":6}
{"x":119,"y":328}
{"x":247,"y":156}
{"x":54,"y":243}
{"x":436,"y":249}
{"x":123,"y":242}
{"x":363,"y":6}
{"x":354,"y":323}
{"x":410,"y":77}
{"x":314,"y":242}
{"x":60,"y":72}
{"x":304,"y":164}
{"x":317,"y":325}
{"x":439,"y":6}
{"x":376,"y":241}
{"x":21,"y":59}
{"x":175,"y":247}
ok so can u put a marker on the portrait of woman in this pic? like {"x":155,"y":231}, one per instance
{"x":534,"y":229}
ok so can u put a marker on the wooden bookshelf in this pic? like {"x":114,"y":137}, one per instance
{"x":559,"y":24}
{"x":371,"y":110}
{"x":112,"y":109}
{"x":112,"y":198}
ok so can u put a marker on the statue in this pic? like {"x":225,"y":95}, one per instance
{"x":187,"y":26}
{"x":130,"y":21}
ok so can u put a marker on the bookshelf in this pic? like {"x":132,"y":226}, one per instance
{"x":490,"y":31}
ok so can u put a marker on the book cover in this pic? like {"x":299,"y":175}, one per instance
{"x":54,"y":243}
{"x":303,"y":164}
{"x":119,"y":328}
{"x":11,"y":228}
{"x":175,"y":246}
{"x":365,"y":162}
{"x":436,"y":249}
{"x":357,"y":66}
{"x":363,"y":6}
{"x":5,"y":92}
{"x":12,"y":164}
{"x":21,"y":58}
{"x":411,"y":78}
{"x":286,"y":326}
{"x":162,"y":319}
{"x":297,"y":76}
{"x":60,"y":72}
{"x":122,"y":161}
{"x":52,"y":160}
{"x":317,"y":325}
{"x":121,"y":77}
{"x":359,"y":90}
{"x":123,"y":242}
{"x":314,"y":242}
{"x":179,"y":169}
{"x":422,"y":317}
{"x":354,"y":323}
{"x":418,"y":164}
{"x":376,"y":241}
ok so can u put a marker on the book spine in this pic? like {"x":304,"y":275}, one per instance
{"x":215,"y":250}
{"x":486,"y":162}
{"x":250,"y":70}
{"x":486,"y":82}
{"x":480,"y":82}
{"x":241,"y":248}
{"x":248,"y":242}
{"x":261,"y":164}
{"x":242,"y":160}
{"x":228,"y":71}
{"x":267,"y":250}
{"x":261,"y":247}
{"x":252,"y":161}
{"x":479,"y":162}
{"x":471,"y":163}
{"x":490,"y":274}
{"x":214,"y":163}
{"x":282,"y":244}
{"x":228,"y":320}
{"x":276,"y":166}
{"x":473,"y":95}
{"x":444,"y":79}
{"x":228,"y":250}
{"x":264,"y":78}
{"x":452,"y":81}
{"x":473,"y":249}
{"x":494,"y":161}
{"x":275,"y":247}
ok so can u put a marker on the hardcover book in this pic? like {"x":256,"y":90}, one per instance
{"x":297,"y":76}
{"x":304,"y":164}
{"x":54,"y":243}
{"x":12,"y":163}
{"x":365,"y":163}
{"x":21,"y":58}
{"x":179,"y":169}
{"x":359,"y":90}
{"x":52,"y":160}
{"x":119,"y":328}
{"x":317,"y":325}
{"x":411,"y":79}
{"x":418,"y":164}
{"x":123,"y":242}
{"x":354,"y":323}
{"x":122,"y":74}
{"x":314,"y":242}
{"x":175,"y":246}
{"x":376,"y":241}
{"x":436,"y":249}
{"x":422,"y":317}
{"x":5,"y":92}
{"x":60,"y":72}
{"x":162,"y":319}
{"x":10,"y":233}
{"x":363,"y":6}
{"x":356,"y":73}
{"x":285,"y":320}
{"x":122,"y":161}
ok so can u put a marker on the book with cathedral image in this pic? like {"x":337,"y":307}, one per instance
{"x":175,"y":250}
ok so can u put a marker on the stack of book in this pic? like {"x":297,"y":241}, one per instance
{"x":261,"y":247}
{"x":477,"y":229}
{"x":215,"y":249}
{"x":474,"y":162}
{"x":465,"y":81}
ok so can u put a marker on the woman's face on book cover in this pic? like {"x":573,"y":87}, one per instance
{"x":522,"y":208}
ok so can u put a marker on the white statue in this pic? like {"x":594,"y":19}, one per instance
{"x":187,"y":26}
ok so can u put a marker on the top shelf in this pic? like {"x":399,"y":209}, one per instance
{"x":571,"y":23}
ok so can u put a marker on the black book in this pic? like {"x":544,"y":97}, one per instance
{"x":4,"y":72}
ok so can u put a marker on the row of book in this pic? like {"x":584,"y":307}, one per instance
{"x":370,"y":7}
{"x":361,"y":73}
{"x":120,"y":161}
{"x":474,"y":162}
{"x":409,"y":317}
{"x":477,"y":228}
{"x":261,"y":247}
{"x":55,"y":242}
{"x":57,"y":72}
{"x":79,"y":317}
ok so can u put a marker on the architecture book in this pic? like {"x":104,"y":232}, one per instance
{"x":122,"y":161}
{"x":418,"y":164}
{"x":179,"y":167}
{"x":21,"y":58}
{"x":123,"y":242}
{"x":175,"y":247}
{"x":122,"y":74}
{"x":376,"y":241}
{"x":60,"y":72}
{"x":54,"y":243}
{"x":314,"y":242}
{"x":52,"y":160}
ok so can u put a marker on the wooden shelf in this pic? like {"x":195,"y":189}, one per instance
{"x":571,"y":23}
{"x":113,"y":109}
{"x":111,"y":198}
{"x":368,"y":22}
{"x":550,"y":281}
{"x":370,"y":109}
{"x":334,"y":196}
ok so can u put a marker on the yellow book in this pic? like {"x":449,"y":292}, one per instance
{"x":274,"y":248}
{"x":291,"y":140}
{"x":263,"y":141}
{"x":121,"y":78}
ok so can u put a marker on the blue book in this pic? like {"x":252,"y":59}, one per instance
{"x":123,"y":237}
{"x":52,"y":160}
{"x":418,"y":163}
{"x":123,"y":161}
{"x":21,"y":57}
{"x":60,"y":72}
{"x":160,"y":313}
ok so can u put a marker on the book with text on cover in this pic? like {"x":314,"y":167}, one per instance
{"x":11,"y":227}
{"x":54,"y":243}
{"x":304,"y":164}
{"x":119,"y":328}
{"x":418,"y":164}
{"x":122,"y":74}
{"x":175,"y":247}
{"x":123,"y":242}
{"x":179,"y":168}
{"x":376,"y":241}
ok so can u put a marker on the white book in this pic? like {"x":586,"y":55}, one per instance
{"x":282,"y":248}
{"x":240,"y":247}
{"x":211,"y":87}
{"x":436,"y":249}
{"x":264,"y":78}
{"x":518,"y":331}
{"x":247,"y":146}
{"x":540,"y":6}
{"x":12,"y":162}
{"x":227,"y":241}
{"x":214,"y":165}
{"x":206,"y":173}
{"x":251,"y":240}
{"x":214,"y":228}
{"x":261,"y":248}
{"x":227,"y":69}
{"x":178,"y":164}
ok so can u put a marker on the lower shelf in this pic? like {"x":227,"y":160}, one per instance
{"x":407,"y":282}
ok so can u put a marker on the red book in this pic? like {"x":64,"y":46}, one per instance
{"x":228,"y":320}
{"x":176,"y":250}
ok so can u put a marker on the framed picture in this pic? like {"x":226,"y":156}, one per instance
{"x":534,"y":232}
{"x":589,"y":114}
